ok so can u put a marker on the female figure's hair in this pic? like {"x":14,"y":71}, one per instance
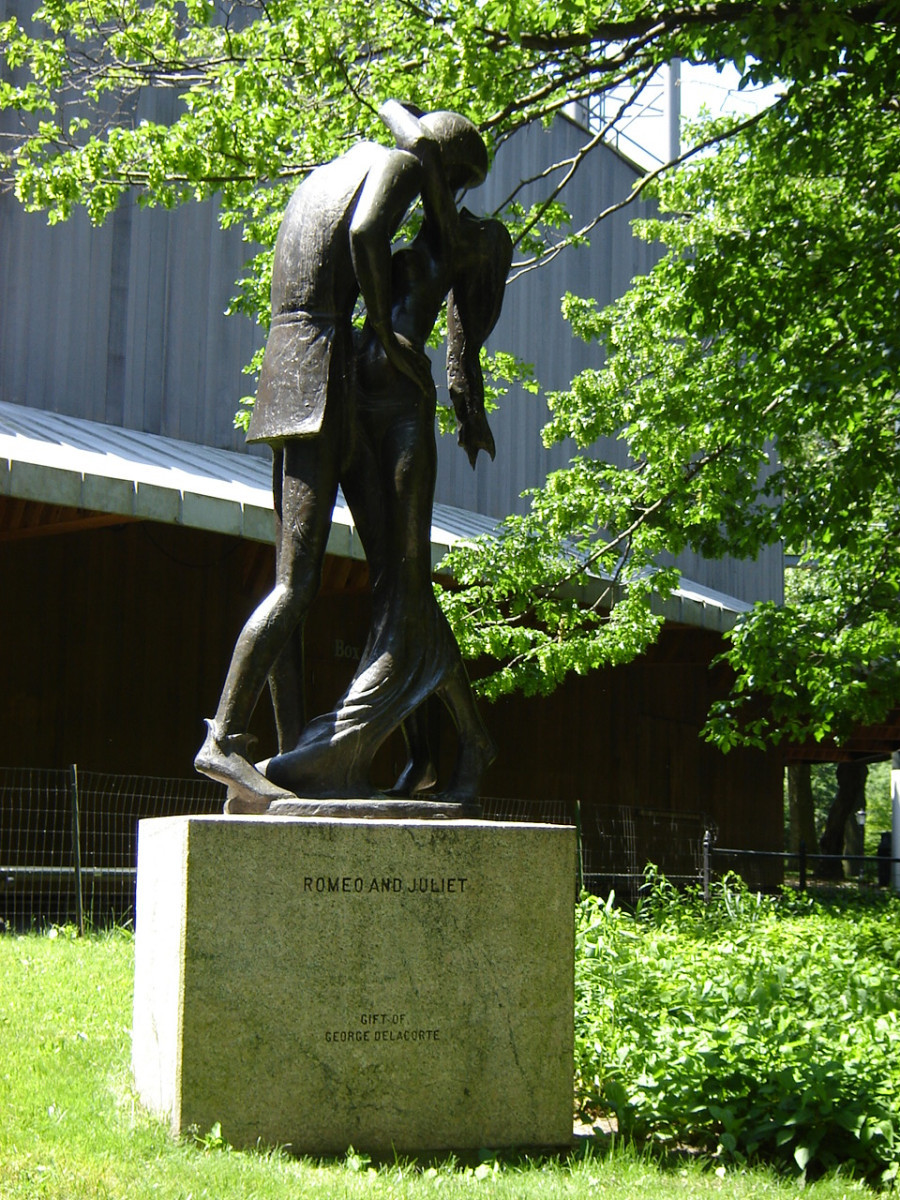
{"x":473,"y":307}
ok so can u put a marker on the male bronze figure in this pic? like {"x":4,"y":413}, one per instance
{"x":332,"y":414}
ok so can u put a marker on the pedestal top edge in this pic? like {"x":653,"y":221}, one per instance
{"x":272,"y":822}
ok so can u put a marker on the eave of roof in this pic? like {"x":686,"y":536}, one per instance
{"x":69,"y":461}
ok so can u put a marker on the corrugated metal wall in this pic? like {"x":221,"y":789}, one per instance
{"x":532,"y":327}
{"x":125,"y":324}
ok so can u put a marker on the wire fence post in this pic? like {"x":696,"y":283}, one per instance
{"x":76,"y":848}
{"x":579,"y":857}
{"x":801,"y":866}
{"x":707,"y":843}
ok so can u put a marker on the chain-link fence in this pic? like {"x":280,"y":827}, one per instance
{"x":68,"y":841}
{"x":619,"y":842}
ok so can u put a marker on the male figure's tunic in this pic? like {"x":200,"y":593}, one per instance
{"x":307,"y":361}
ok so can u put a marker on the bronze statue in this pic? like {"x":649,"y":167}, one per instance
{"x":364,"y":416}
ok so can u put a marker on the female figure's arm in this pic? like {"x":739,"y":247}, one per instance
{"x":393,"y":180}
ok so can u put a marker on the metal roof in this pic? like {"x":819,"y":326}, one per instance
{"x":53,"y":459}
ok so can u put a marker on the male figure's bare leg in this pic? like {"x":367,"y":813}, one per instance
{"x":286,"y":677}
{"x":287,"y":691}
{"x":304,"y":501}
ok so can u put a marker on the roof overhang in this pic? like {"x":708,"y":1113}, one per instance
{"x":86,"y":466}
{"x":867,"y":743}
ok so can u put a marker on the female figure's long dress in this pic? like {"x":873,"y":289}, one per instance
{"x":410,"y":653}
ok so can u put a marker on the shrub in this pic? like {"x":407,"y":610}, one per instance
{"x":752,"y":1026}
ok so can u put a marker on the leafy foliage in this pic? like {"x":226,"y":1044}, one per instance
{"x":752,"y":377}
{"x":754,"y":1027}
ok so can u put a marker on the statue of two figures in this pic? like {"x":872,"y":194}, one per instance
{"x":356,"y":408}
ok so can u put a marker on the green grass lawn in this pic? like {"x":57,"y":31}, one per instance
{"x":72,"y":1128}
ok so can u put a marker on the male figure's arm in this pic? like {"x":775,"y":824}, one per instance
{"x":393,"y":181}
{"x":442,"y":219}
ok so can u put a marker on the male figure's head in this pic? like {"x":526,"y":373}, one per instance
{"x":463,"y":153}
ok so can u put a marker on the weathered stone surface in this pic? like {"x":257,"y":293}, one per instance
{"x":382,"y":984}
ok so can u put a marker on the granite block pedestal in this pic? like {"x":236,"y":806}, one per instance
{"x":391,"y":985}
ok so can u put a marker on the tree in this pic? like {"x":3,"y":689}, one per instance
{"x":816,"y":792}
{"x":751,"y":373}
{"x":753,"y":376}
{"x":841,"y":826}
{"x":801,"y":810}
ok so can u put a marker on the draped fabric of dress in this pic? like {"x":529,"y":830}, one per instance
{"x":410,"y":650}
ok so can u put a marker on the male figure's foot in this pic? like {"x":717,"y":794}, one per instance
{"x":415,"y":778}
{"x":226,"y":758}
{"x":474,"y":756}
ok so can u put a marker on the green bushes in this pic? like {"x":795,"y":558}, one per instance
{"x":749,"y":1027}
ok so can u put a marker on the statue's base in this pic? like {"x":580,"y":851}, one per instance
{"x":395,"y":986}
{"x":386,"y":809}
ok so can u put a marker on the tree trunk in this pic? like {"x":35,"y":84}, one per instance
{"x":849,"y":798}
{"x":801,"y":808}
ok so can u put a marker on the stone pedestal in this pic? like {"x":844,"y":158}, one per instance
{"x":391,"y":985}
